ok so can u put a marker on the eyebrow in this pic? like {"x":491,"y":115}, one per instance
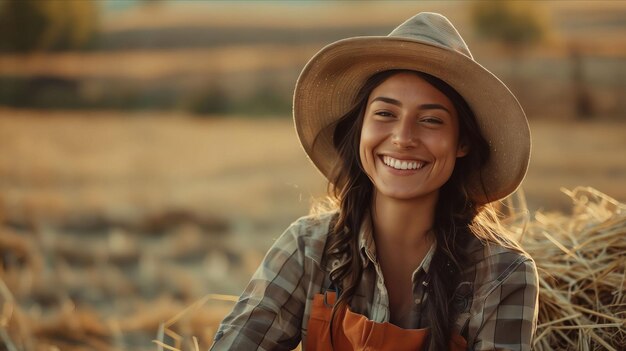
{"x":422,"y":107}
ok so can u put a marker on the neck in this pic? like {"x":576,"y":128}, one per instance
{"x":406,"y":223}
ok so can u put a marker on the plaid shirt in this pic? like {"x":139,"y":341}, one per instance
{"x":497,"y":297}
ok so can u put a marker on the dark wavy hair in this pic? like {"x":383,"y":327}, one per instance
{"x":455,"y":216}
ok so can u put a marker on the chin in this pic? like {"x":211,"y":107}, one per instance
{"x":405,"y":195}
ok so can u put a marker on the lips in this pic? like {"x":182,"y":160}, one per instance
{"x":402,"y":164}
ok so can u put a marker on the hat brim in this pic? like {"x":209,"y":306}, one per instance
{"x":328,"y":85}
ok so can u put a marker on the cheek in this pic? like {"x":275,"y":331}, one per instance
{"x":365,"y":143}
{"x":443,"y":143}
{"x":437,"y":143}
{"x":372,"y":137}
{"x":373,"y":133}
{"x":363,"y":150}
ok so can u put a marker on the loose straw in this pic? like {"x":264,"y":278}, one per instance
{"x":581,"y":259}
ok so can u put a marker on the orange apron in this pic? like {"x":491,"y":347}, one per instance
{"x":353,"y":331}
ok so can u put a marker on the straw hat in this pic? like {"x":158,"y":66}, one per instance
{"x":429,"y":43}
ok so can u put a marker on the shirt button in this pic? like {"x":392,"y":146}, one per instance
{"x":418,"y":301}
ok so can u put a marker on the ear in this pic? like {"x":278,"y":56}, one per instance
{"x":462,"y":149}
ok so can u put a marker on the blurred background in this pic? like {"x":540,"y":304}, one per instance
{"x":148,"y":158}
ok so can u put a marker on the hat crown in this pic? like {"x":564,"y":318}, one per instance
{"x":432,"y":28}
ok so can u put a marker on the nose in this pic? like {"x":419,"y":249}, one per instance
{"x":404,"y":135}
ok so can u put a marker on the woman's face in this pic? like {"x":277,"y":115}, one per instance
{"x":410,"y":138}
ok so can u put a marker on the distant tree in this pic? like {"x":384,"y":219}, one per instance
{"x":38,"y":25}
{"x":515,"y":24}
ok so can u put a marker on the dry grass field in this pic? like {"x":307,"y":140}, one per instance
{"x":61,"y":166}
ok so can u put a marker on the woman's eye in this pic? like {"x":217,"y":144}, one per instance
{"x":431,"y":120}
{"x":383,"y":114}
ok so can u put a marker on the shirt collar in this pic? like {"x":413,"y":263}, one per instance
{"x":367,"y":246}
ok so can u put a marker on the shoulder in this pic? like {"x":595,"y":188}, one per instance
{"x":308,"y":235}
{"x":491,"y":265}
{"x":314,"y":225}
{"x":274,"y":306}
{"x":502,"y":312}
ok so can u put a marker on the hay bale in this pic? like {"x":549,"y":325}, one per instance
{"x":581,"y":260}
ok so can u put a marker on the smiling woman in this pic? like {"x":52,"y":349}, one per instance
{"x":410,"y":139}
{"x":417,"y":141}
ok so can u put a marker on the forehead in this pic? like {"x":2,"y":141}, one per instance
{"x":410,"y":89}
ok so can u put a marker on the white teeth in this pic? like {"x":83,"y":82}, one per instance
{"x":397,"y":164}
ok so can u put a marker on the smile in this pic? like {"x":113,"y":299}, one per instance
{"x":402,"y":164}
